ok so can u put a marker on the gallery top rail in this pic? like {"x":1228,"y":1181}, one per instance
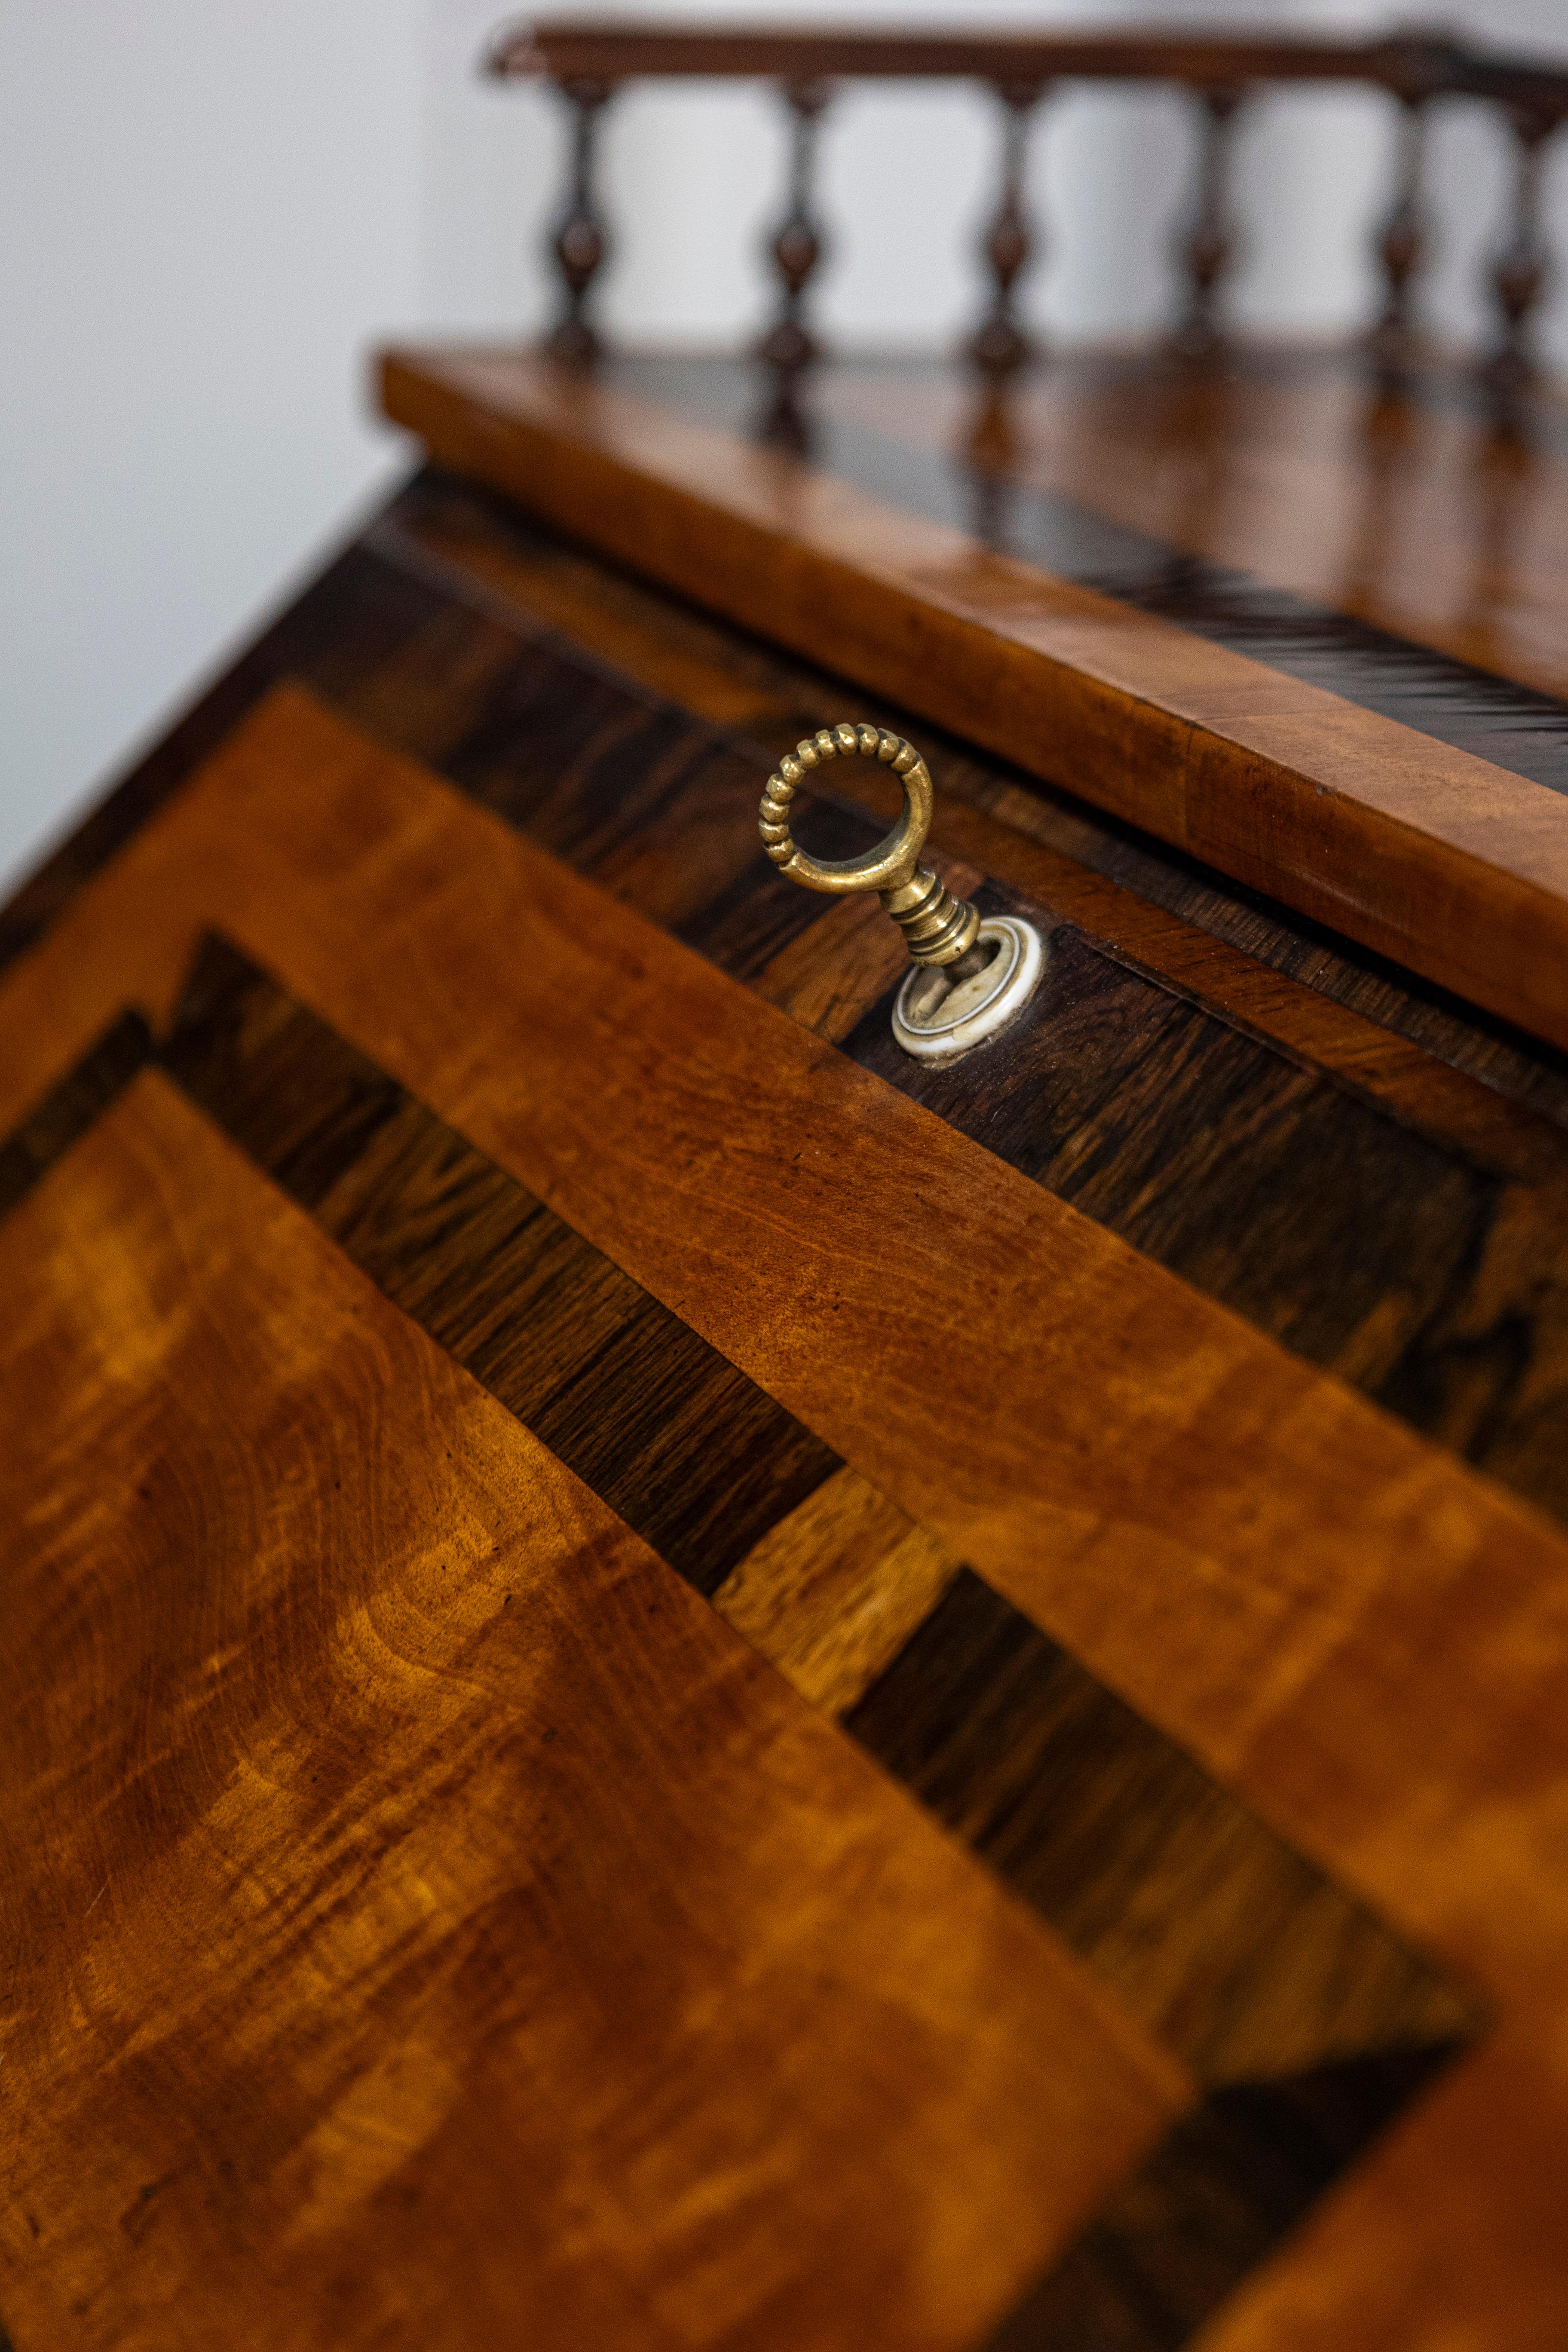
{"x":1410,"y":63}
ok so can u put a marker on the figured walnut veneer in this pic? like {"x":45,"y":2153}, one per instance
{"x":1309,"y":2024}
{"x":426,"y":1917}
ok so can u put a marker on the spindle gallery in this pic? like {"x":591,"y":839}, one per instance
{"x":586,"y":61}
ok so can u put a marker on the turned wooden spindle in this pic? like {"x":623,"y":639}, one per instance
{"x":999,"y":345}
{"x":797,"y":246}
{"x":785,"y":420}
{"x":990,"y":447}
{"x":1519,"y":273}
{"x":580,"y":241}
{"x":1208,"y":248}
{"x":1402,"y":240}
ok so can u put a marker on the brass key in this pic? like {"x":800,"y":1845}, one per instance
{"x":973,"y":976}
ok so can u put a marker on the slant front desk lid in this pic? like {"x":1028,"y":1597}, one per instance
{"x":1303,"y":628}
{"x":682,"y":1681}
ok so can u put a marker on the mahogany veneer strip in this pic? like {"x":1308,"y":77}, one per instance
{"x":833,"y":1591}
{"x":1443,"y":861}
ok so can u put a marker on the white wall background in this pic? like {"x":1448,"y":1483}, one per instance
{"x":210,"y":210}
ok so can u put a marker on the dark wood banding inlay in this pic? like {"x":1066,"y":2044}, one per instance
{"x":1215,"y":2198}
{"x":687,"y":1449}
{"x":69,"y":1109}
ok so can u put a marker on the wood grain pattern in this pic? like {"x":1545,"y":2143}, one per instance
{"x":1216,"y":2195}
{"x":1236,"y":1950}
{"x":1388,"y":543}
{"x":833,"y":1591}
{"x":1358,"y":1684}
{"x":1225,"y":948}
{"x":1404,"y":1727}
{"x":1437,"y":2116}
{"x":1398,"y":505}
{"x":1268,"y":1968}
{"x":428,"y":1922}
{"x":1415,"y":1272}
{"x":831,"y":975}
{"x":1430,"y":1278}
{"x":1229,"y":1947}
{"x":1117,"y":1507}
{"x":1448,"y":862}
{"x":414,"y":632}
{"x":1424,"y":1281}
{"x":70,"y":1107}
{"x":683,"y":1446}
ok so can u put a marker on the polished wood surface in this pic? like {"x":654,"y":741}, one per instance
{"x":1394,"y":502}
{"x":359,"y":2000}
{"x":1183,"y":1546}
{"x":446,"y":544}
{"x":1107,"y":1489}
{"x":1429,"y":1274}
{"x":1296,"y":509}
{"x":1448,"y":861}
{"x":302,"y":838}
{"x":1231,"y":1948}
{"x":449,"y":610}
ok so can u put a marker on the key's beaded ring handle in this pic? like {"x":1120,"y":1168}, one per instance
{"x":938,"y":927}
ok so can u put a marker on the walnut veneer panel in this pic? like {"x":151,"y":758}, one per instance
{"x":1454,"y":865}
{"x":1207,"y":1518}
{"x":1311,"y":2025}
{"x":1363,"y":1639}
{"x":428,"y":1922}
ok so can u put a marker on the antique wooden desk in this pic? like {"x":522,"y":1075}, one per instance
{"x":675,"y":1681}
